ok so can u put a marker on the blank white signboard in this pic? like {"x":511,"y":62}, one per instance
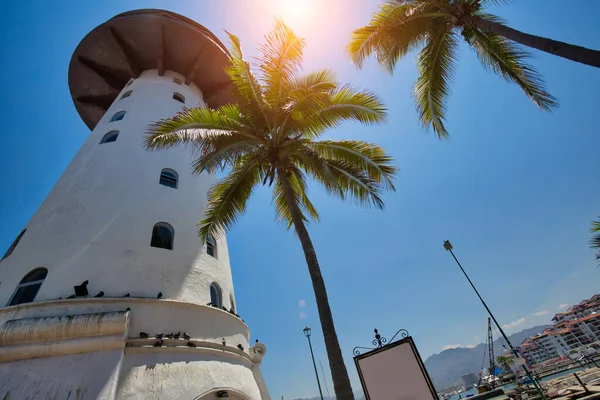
{"x":395,"y":372}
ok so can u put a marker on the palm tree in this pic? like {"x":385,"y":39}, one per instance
{"x":595,"y":240}
{"x":404,"y":25}
{"x":269,"y":137}
{"x":505,"y":362}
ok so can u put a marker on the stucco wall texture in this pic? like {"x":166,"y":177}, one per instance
{"x":96,"y":225}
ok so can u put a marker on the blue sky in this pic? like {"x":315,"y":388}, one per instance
{"x":514,"y":189}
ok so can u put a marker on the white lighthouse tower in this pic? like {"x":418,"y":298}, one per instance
{"x":111,"y":264}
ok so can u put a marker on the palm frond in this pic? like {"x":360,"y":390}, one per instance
{"x":307,"y":95}
{"x":356,"y":184}
{"x":397,"y":28}
{"x":218,"y":151}
{"x":507,"y":59}
{"x":228,"y":197}
{"x":250,"y":93}
{"x":595,"y":240}
{"x":320,"y":80}
{"x":280,"y":61}
{"x":345,"y":103}
{"x":295,"y":179}
{"x":364,"y":156}
{"x":314,"y":165}
{"x":436,"y":63}
{"x":496,"y":2}
{"x":193,"y":125}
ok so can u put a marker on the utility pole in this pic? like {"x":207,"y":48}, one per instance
{"x":448,"y":246}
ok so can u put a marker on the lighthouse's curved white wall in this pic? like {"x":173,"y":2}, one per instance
{"x":96,"y":223}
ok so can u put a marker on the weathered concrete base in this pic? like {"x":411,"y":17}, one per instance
{"x":93,"y":355}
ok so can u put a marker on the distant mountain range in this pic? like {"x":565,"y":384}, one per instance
{"x":446,"y":368}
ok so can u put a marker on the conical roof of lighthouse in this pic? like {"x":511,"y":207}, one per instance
{"x":128,"y":44}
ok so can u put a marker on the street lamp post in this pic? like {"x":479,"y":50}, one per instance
{"x":448,"y":247}
{"x":307,"y":334}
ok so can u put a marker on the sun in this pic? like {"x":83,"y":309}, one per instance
{"x":296,"y":12}
{"x":296,"y":7}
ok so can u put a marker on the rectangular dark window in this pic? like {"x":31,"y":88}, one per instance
{"x":168,"y":181}
{"x":210,"y":249}
{"x":25,"y":294}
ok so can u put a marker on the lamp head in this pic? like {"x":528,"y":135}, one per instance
{"x":447,"y":245}
{"x":306,"y":331}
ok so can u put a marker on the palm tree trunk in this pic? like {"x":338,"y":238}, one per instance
{"x":569,"y":51}
{"x":339,"y":374}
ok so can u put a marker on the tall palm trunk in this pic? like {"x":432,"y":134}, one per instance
{"x":561,"y":49}
{"x":339,"y":374}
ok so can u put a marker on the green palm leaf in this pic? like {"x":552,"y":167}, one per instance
{"x":436,"y":63}
{"x":595,"y":240}
{"x":345,"y":103}
{"x":365,"y":156}
{"x":397,"y":28}
{"x":507,"y":60}
{"x":228,"y":197}
{"x":357,"y":184}
{"x":249,"y":92}
{"x":496,"y":2}
{"x":280,"y":60}
{"x":306,"y":95}
{"x":220,"y":150}
{"x":194,"y":125}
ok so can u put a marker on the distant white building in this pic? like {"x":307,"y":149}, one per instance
{"x":111,"y":263}
{"x":575,"y":332}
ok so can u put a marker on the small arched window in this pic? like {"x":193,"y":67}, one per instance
{"x":169,"y":178}
{"x":211,"y":245}
{"x":179,"y":97}
{"x":118,"y":116}
{"x":216,"y":298}
{"x":126,"y":94}
{"x":110,"y":137}
{"x":28,"y":287}
{"x":162,"y":236}
{"x":14,"y":244}
{"x":130,"y":82}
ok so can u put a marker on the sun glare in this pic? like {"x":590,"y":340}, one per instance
{"x":297,"y":12}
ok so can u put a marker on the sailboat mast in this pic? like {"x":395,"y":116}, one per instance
{"x":491,"y":352}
